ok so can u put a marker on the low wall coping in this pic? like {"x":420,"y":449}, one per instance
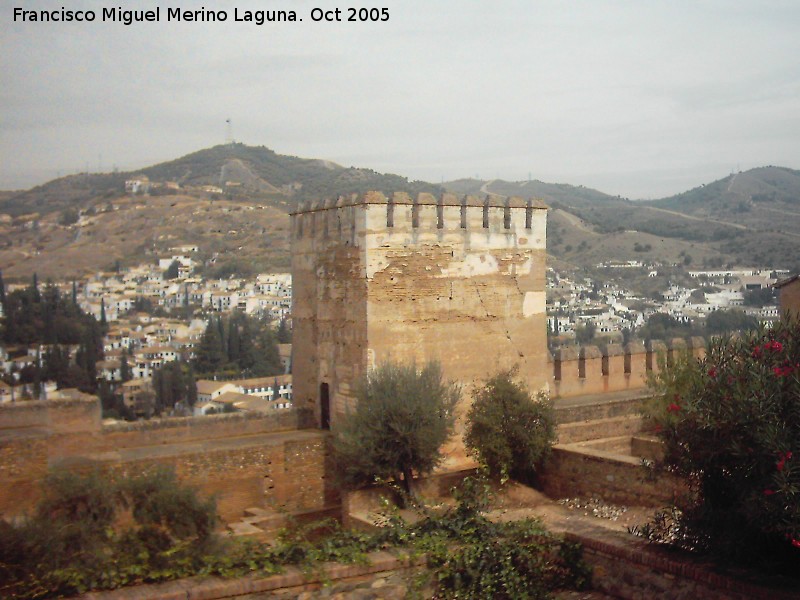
{"x":696,"y":342}
{"x":567,"y":353}
{"x":677,"y":344}
{"x":610,"y":350}
{"x":635,"y":347}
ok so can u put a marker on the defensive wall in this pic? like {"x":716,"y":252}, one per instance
{"x":585,"y":370}
{"x":377,"y":278}
{"x":247,"y":460}
{"x":281,"y":459}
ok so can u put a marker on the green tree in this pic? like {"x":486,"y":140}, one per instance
{"x":174,"y":383}
{"x":209,"y":357}
{"x":507,"y":430}
{"x":727,"y":321}
{"x":585,"y":333}
{"x":284,"y":334}
{"x":661,"y":326}
{"x":173,"y":270}
{"x":69,"y":216}
{"x":125,"y":369}
{"x":402,"y":419}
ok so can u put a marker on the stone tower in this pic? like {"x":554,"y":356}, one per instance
{"x":459,"y":280}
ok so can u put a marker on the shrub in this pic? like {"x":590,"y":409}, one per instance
{"x":79,"y":539}
{"x":402,"y":419}
{"x":731,"y":426}
{"x":507,"y":430}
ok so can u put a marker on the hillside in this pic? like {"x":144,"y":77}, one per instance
{"x":84,"y":223}
{"x":243,"y":172}
{"x":750,"y":218}
{"x":232,"y":237}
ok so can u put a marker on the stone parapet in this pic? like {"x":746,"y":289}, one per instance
{"x":580,"y":371}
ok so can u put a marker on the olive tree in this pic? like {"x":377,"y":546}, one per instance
{"x":402,"y":419}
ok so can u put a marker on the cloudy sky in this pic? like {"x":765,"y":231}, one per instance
{"x":641,"y":99}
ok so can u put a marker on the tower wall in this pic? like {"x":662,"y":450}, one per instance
{"x":459,"y":280}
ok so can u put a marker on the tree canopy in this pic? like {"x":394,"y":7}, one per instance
{"x":237,"y":346}
{"x":731,"y":426}
{"x":402,"y":419}
{"x":509,"y":431}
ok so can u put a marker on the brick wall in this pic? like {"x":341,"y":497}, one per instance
{"x":584,"y":471}
{"x":246,"y":460}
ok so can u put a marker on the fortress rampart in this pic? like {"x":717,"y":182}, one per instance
{"x":614,"y":367}
{"x":246,"y":459}
{"x":250,"y":459}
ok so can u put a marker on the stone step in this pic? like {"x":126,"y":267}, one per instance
{"x":598,"y":406}
{"x":569,"y":433}
{"x":244,"y":529}
{"x":257,"y":511}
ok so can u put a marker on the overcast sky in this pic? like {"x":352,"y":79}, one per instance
{"x":641,"y":99}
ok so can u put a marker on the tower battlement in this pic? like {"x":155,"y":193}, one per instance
{"x":422,"y":215}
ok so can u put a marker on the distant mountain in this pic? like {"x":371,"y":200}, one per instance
{"x":738,"y":194}
{"x":83,"y":223}
{"x":244,"y":172}
{"x":749,"y":218}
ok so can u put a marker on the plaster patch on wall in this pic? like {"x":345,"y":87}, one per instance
{"x":534,"y":303}
{"x":472,"y":265}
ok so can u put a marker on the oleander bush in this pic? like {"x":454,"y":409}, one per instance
{"x":730,"y":424}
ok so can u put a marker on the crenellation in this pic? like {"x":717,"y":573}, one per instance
{"x":656,"y":351}
{"x":676,"y":347}
{"x":613,"y":368}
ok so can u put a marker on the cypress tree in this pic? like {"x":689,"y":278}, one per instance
{"x":35,"y":288}
{"x":103,"y":321}
{"x":191,"y":388}
{"x":210,"y":355}
{"x":2,"y":292}
{"x":125,"y":369}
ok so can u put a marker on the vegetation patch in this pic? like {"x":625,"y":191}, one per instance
{"x":730,"y":424}
{"x":91,"y":533}
{"x":509,"y":431}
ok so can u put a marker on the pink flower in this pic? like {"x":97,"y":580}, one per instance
{"x":712,"y":372}
{"x":769,"y":492}
{"x":673,"y":407}
{"x":795,"y":543}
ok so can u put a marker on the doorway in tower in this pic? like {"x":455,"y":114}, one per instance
{"x":325,"y":406}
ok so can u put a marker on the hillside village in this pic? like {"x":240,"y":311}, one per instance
{"x":610,"y":308}
{"x":157,"y":313}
